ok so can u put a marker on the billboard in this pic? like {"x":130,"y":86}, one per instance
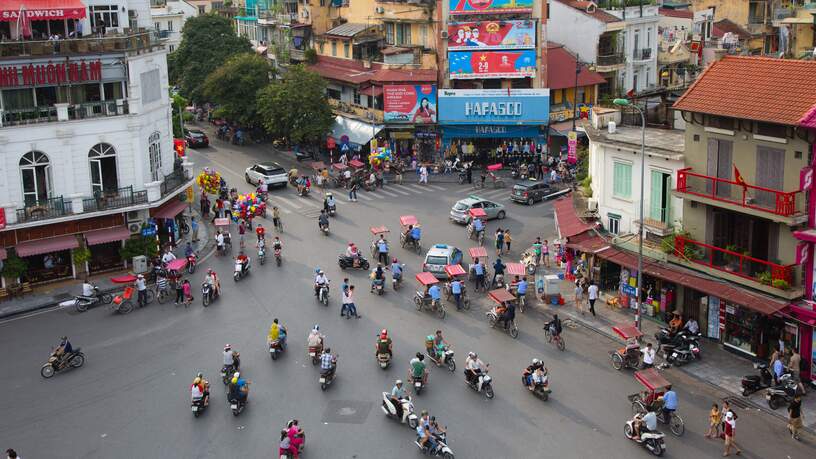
{"x":492,"y":64}
{"x":490,"y":6}
{"x":494,"y":106}
{"x":405,"y":103}
{"x":491,"y":35}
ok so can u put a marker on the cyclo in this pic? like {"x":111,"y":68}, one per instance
{"x":340,"y":179}
{"x":515,"y":269}
{"x":479,"y":253}
{"x":651,"y":399}
{"x":376,"y":231}
{"x":223,"y":224}
{"x":629,"y":355}
{"x":407,"y":221}
{"x":173,"y":270}
{"x":477,"y":214}
{"x":456,"y":272}
{"x":123,"y":303}
{"x":502,"y":298}
{"x":423,"y":299}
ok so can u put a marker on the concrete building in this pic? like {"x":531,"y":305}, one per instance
{"x":640,"y":39}
{"x":87,"y":149}
{"x":571,"y":97}
{"x":169,"y":18}
{"x":675,"y":60}
{"x":752,"y":16}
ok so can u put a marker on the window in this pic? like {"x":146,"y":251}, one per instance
{"x":170,"y":25}
{"x":332,"y":93}
{"x":614,"y":223}
{"x":322,"y":2}
{"x":346,"y":46}
{"x":389,"y":33}
{"x":558,"y":96}
{"x":322,"y":47}
{"x":334,"y":48}
{"x":423,"y":30}
{"x":172,"y":48}
{"x":154,"y":150}
{"x":403,"y":34}
{"x":157,"y":26}
{"x":151,"y":87}
{"x":102,"y":159}
{"x":356,"y":97}
{"x":35,"y":169}
{"x":720,"y":122}
{"x":202,"y":9}
{"x":581,"y":99}
{"x":104,"y":16}
{"x":622,"y":180}
{"x":771,"y":130}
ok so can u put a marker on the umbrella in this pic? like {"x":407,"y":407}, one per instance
{"x":23,"y":24}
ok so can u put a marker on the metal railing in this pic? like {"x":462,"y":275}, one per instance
{"x":44,"y":209}
{"x":610,"y":59}
{"x":130,"y":41}
{"x":114,"y":199}
{"x":642,"y":54}
{"x":79,"y":111}
{"x":172,"y":182}
{"x":783,"y":203}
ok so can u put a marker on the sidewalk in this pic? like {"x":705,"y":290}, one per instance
{"x":52,"y":294}
{"x":718,"y":367}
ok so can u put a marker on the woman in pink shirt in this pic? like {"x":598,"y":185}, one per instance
{"x":188,"y":292}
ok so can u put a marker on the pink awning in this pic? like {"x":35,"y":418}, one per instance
{"x":41,"y":246}
{"x":42,"y":10}
{"x":103,"y":236}
{"x":170,"y":209}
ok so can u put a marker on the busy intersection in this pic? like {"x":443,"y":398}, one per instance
{"x":132,"y":396}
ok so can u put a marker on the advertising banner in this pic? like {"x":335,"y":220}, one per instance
{"x":491,"y":35}
{"x":410,"y":103}
{"x":494,"y":106}
{"x":572,"y":151}
{"x":492,"y":64}
{"x":490,"y":6}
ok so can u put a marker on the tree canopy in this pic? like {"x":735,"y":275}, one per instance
{"x":234,"y":87}
{"x":296,"y":107}
{"x":208,"y":41}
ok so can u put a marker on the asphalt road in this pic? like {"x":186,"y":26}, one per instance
{"x":131,"y":399}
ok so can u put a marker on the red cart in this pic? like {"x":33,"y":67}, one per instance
{"x":650,"y":399}
{"x":629,"y":355}
{"x":407,"y":221}
{"x":423,"y":299}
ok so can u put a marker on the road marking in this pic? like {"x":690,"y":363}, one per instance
{"x":437,"y":188}
{"x":398,"y":190}
{"x":288,"y":202}
{"x":364,"y":197}
{"x":415,"y":187}
{"x":388,"y":193}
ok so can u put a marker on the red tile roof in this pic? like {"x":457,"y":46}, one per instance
{"x":353,"y":72}
{"x":682,"y":14}
{"x":809,"y":120}
{"x":754,"y":88}
{"x":561,"y":69}
{"x":568,"y":222}
{"x":596,"y":13}
{"x":724,"y":26}
{"x":405,"y":76}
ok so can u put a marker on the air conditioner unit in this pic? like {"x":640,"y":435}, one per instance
{"x":135,"y":227}
{"x":444,"y":34}
{"x":379,"y":10}
{"x":592,"y":205}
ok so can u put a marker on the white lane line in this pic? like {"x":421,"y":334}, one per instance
{"x":415,"y":187}
{"x":436,"y":187}
{"x":388,"y":193}
{"x":287,"y":202}
{"x":398,"y":190}
{"x":364,"y":197}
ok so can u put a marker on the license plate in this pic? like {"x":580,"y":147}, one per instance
{"x":195,"y":408}
{"x":271,"y":350}
{"x":322,"y":380}
{"x":417,"y":384}
{"x":234,"y":407}
{"x":767,"y":396}
{"x":312,"y":354}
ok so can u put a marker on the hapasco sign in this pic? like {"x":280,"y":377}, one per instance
{"x":51,"y":73}
{"x":494,"y":106}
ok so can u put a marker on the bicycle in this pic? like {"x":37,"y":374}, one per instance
{"x":559,"y":340}
{"x":675,"y":422}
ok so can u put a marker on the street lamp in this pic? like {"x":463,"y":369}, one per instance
{"x":575,"y":90}
{"x":628,"y":103}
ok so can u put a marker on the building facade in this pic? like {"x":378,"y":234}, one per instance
{"x":169,"y":18}
{"x":640,"y":38}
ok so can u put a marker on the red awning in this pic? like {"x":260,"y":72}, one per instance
{"x":375,"y":91}
{"x":651,"y":379}
{"x":3,"y":253}
{"x":169,"y":210}
{"x":588,"y":243}
{"x":682,"y":276}
{"x":41,"y":246}
{"x":501,"y":295}
{"x":567,"y":220}
{"x":103,"y":236}
{"x":516,"y":269}
{"x":42,"y":10}
{"x":426,"y":278}
{"x":356,"y":163}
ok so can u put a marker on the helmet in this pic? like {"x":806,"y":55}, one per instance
{"x":328,"y":195}
{"x":209,"y":271}
{"x":234,"y":380}
{"x":236,"y":375}
{"x":424,"y":413}
{"x":197,"y":381}
{"x":472,"y":355}
{"x":327,"y":351}
{"x":398,"y":382}
{"x":536,"y":361}
{"x":200,"y":375}
{"x":394,"y":261}
{"x":419,"y":355}
{"x":275,"y":320}
{"x":317,"y":270}
{"x":384,"y":333}
{"x":227,"y":347}
{"x":320,"y":271}
{"x":316,"y":327}
{"x":351,"y":244}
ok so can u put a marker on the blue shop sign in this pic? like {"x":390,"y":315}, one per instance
{"x":494,"y":106}
{"x":488,"y":131}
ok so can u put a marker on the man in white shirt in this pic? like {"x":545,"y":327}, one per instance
{"x":648,"y":356}
{"x":141,"y":288}
{"x":87,"y":288}
{"x":592,"y":293}
{"x":168,"y":256}
{"x":219,"y":240}
{"x":692,"y":326}
{"x":423,"y":174}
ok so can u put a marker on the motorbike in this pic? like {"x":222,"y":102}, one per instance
{"x":511,"y":328}
{"x":332,"y":210}
{"x":408,"y":415}
{"x":276,"y":347}
{"x":418,"y":384}
{"x":348,"y":262}
{"x":441,"y":450}
{"x":262,"y":255}
{"x":75,"y":359}
{"x":783,"y":392}
{"x":653,"y":441}
{"x":378,"y":286}
{"x":304,"y":191}
{"x":278,"y":258}
{"x":487,"y":385}
{"x":323,"y":294}
{"x":237,"y":406}
{"x":314,"y":353}
{"x":461,"y":176}
{"x":396,"y":281}
{"x":540,"y":390}
{"x":241,"y":270}
{"x":191,"y":263}
{"x":447,"y":359}
{"x":664,"y":337}
{"x":198,"y":406}
{"x":753,"y":383}
{"x":327,"y":376}
{"x":686,"y":351}
{"x":226,"y":373}
{"x":324,"y":229}
{"x":301,"y":434}
{"x":384,"y":359}
{"x":208,"y":294}
{"x":82,"y":303}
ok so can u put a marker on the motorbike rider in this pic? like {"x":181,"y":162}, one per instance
{"x":323,"y":220}
{"x":219,"y":241}
{"x":329,"y":202}
{"x":384,"y":344}
{"x":315,"y":339}
{"x":353,"y":253}
{"x":644,"y":423}
{"x":412,"y":234}
{"x":377,"y":276}
{"x":277,"y":244}
{"x":478,"y":227}
{"x":200,"y":389}
{"x":88,"y":289}
{"x":212,"y":279}
{"x":231,"y":358}
{"x":418,"y":370}
{"x":328,"y":362}
{"x":669,"y":401}
{"x":530,"y":370}
{"x":243,"y":260}
{"x":63,"y":350}
{"x":424,"y":432}
{"x":277,"y":332}
{"x":554,"y":326}
{"x":396,"y":269}
{"x":474,"y":368}
{"x":320,"y":280}
{"x":188,"y":250}
{"x":398,"y":394}
{"x":238,"y":388}
{"x":439,"y":346}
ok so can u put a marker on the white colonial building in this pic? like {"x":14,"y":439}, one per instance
{"x":168,"y":18}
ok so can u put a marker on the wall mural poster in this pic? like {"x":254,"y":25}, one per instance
{"x":490,"y":6}
{"x":410,"y":103}
{"x":491,"y":35}
{"x":492,"y":64}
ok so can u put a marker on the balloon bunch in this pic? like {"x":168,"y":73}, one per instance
{"x":247,"y":206}
{"x":209,"y":180}
{"x":380,"y":156}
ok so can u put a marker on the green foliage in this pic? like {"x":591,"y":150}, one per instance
{"x":14,"y":267}
{"x":139,"y":245}
{"x":586,"y":186}
{"x":234,"y":86}
{"x":765,"y":277}
{"x":781,"y":284}
{"x":178,"y":103}
{"x":81,"y":255}
{"x":296,"y":107}
{"x":667,"y":244}
{"x":583,"y":163}
{"x":310,"y":55}
{"x":207,"y":42}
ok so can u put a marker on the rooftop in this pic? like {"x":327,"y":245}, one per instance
{"x":590,"y":9}
{"x":724,"y":26}
{"x":354,"y":72}
{"x":561,"y":69}
{"x":668,"y":143}
{"x":754,"y":88}
{"x":672,"y":13}
{"x":348,"y":29}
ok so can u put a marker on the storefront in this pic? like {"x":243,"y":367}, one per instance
{"x":47,"y":259}
{"x":105,"y":246}
{"x":410,"y":115}
{"x":352,"y":135}
{"x":167,"y":218}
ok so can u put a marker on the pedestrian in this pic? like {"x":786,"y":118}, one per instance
{"x":579,"y":297}
{"x":179,"y":293}
{"x":188,"y":292}
{"x":795,"y":364}
{"x":478,"y":269}
{"x":141,"y":289}
{"x":778,"y":368}
{"x":545,"y":253}
{"x":795,"y":416}
{"x":382,"y":250}
{"x":537,"y":250}
{"x":456,"y":290}
{"x":241,"y":232}
{"x":353,"y":190}
{"x":648,"y":356}
{"x":349,"y":299}
{"x":219,"y":207}
{"x":11,"y":454}
{"x":194,"y":229}
{"x":730,"y":434}
{"x":507,"y":239}
{"x":397,"y":168}
{"x":205,"y":205}
{"x":713,"y":422}
{"x":423,"y":174}
{"x":592,"y":294}
{"x":499,"y":241}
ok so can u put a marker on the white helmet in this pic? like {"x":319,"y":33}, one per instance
{"x":472,"y":355}
{"x":536,"y":361}
{"x":398,"y":382}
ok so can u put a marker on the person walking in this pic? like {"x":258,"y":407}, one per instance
{"x":507,"y":240}
{"x":592,"y":294}
{"x":353,"y":190}
{"x":423,"y":174}
{"x":382,"y":250}
{"x":188,"y":292}
{"x":348,"y":298}
{"x":537,"y":250}
{"x":730,"y":434}
{"x":713,"y":422}
{"x":179,"y":293}
{"x":648,"y":356}
{"x":241,"y":232}
{"x":579,"y":297}
{"x":141,"y":290}
{"x":194,"y":229}
{"x":499,"y":241}
{"x":795,"y":416}
{"x":545,"y":253}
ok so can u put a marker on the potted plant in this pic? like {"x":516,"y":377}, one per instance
{"x":81,"y":256}
{"x":765,"y":277}
{"x":732,"y":259}
{"x":13,"y":268}
{"x":781,"y":284}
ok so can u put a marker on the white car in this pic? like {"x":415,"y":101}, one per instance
{"x":273,"y":174}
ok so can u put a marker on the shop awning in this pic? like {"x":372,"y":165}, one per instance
{"x":563,"y":128}
{"x":374,"y":91}
{"x":41,"y":246}
{"x":42,"y":10}
{"x":170,"y":209}
{"x":3,"y":253}
{"x":103,"y":236}
{"x":357,"y":132}
{"x":805,"y":235}
{"x":567,"y":220}
{"x":682,"y":276}
{"x":588,"y":242}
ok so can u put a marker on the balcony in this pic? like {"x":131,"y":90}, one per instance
{"x":116,"y":199}
{"x":642,"y":54}
{"x":49,"y":114}
{"x":138,"y":42}
{"x":610,"y":62}
{"x":362,"y":113}
{"x":173,"y":182}
{"x":733,"y":264}
{"x":786,"y":207}
{"x":44,"y":210}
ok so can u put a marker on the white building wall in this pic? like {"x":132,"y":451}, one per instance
{"x":645,"y":26}
{"x":577,"y":31}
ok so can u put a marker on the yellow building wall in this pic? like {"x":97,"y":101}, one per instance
{"x":734,"y":10}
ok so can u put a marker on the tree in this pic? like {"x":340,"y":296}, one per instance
{"x":206,"y":42}
{"x":234,"y":86}
{"x":296,"y":107}
{"x":178,"y":105}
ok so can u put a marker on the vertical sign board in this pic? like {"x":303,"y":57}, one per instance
{"x":572,"y":150}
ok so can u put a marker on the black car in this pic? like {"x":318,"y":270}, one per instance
{"x":530,"y":191}
{"x":196,"y":138}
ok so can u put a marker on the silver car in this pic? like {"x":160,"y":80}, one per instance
{"x":460,"y":211}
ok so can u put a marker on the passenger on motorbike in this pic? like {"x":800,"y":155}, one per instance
{"x":424,"y":432}
{"x":396,"y":269}
{"x":63,"y":350}
{"x":554,"y":326}
{"x":231,"y":358}
{"x":384,"y":344}
{"x":200,"y":389}
{"x":530,"y":370}
{"x":323,"y":220}
{"x":243,"y":260}
{"x":212,"y":279}
{"x":377,"y":276}
{"x":188,"y":250}
{"x":418,"y":370}
{"x":320,"y":280}
{"x":328,"y":362}
{"x":398,"y":394}
{"x":329,"y":202}
{"x":277,"y":332}
{"x":474,"y":368}
{"x":644,"y":423}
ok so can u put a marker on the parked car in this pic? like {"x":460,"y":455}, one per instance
{"x":460,"y":211}
{"x":530,"y":191}
{"x":273,"y":174}
{"x":196,"y":138}
{"x":439,"y":256}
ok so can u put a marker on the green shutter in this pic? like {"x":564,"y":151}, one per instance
{"x":622,"y":180}
{"x":655,"y":196}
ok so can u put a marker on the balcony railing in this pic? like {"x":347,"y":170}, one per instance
{"x":75,"y":112}
{"x":741,"y":264}
{"x":115,"y":199}
{"x":610,"y":59}
{"x":130,"y":41}
{"x":358,"y":111}
{"x":44,"y":209}
{"x":172,"y":182}
{"x":782,"y":203}
{"x":642,"y":54}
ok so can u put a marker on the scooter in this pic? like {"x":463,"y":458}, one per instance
{"x":541,"y":389}
{"x":665,"y":337}
{"x":327,"y":376}
{"x":418,"y":384}
{"x":191,"y":263}
{"x":82,"y":303}
{"x":685,"y":352}
{"x":378,"y":286}
{"x":332,"y":210}
{"x":408,"y":415}
{"x":384,"y":360}
{"x":301,"y":434}
{"x":486,"y":387}
{"x":396,"y":281}
{"x":314,"y":353}
{"x":447,"y":360}
{"x":278,"y":258}
{"x":237,"y":406}
{"x":348,"y":262}
{"x":207,"y":294}
{"x":241,"y":270}
{"x":197,"y":405}
{"x":753,"y":383}
{"x":276,"y":347}
{"x":441,"y":450}
{"x":226,"y":373}
{"x":324,"y":229}
{"x":323,"y":294}
{"x":783,"y":392}
{"x":654,"y":441}
{"x":262,"y":255}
